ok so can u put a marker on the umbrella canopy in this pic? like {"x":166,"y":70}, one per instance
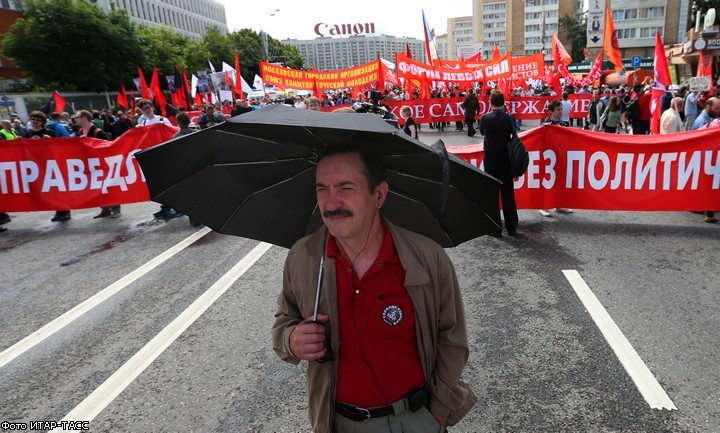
{"x":254,"y":176}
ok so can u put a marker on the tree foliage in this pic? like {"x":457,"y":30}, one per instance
{"x":72,"y":44}
{"x":76,"y":45}
{"x":569,"y":29}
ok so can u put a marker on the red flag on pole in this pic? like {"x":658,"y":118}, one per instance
{"x":408,"y":53}
{"x":610,"y":42}
{"x":238,"y":77}
{"x":496,"y":52}
{"x":157,"y":90}
{"x":144,"y":89}
{"x":60,"y":102}
{"x":704,"y":65}
{"x":430,"y":49}
{"x":122,"y":98}
{"x":661,"y":83}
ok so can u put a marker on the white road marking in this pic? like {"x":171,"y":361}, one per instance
{"x":99,"y":399}
{"x":646,"y":383}
{"x":41,"y":334}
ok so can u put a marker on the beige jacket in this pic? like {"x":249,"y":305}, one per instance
{"x":439,"y":317}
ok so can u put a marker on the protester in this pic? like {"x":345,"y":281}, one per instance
{"x":595,"y":111}
{"x":555,"y":108}
{"x":88,"y":128}
{"x":410,"y":127}
{"x":148,"y":115}
{"x":210,"y":118}
{"x":241,"y":107}
{"x":692,"y":100}
{"x":37,"y":126}
{"x":711,"y":111}
{"x":19,"y":127}
{"x":313,"y":103}
{"x":641,"y":111}
{"x":566,"y":109}
{"x":394,"y":288}
{"x":4,"y":219}
{"x":470,"y":104}
{"x":56,"y":126}
{"x":7,"y":132}
{"x":497,"y":128}
{"x":670,"y":122}
{"x":183,"y":120}
{"x":611,"y":119}
{"x":122,"y":124}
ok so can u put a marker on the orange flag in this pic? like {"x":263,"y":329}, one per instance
{"x":611,"y":47}
{"x":559,"y":52}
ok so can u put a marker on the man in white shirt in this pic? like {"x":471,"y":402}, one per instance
{"x":148,"y":117}
{"x":670,"y":121}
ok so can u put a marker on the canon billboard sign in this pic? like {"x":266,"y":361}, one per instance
{"x":322,"y":29}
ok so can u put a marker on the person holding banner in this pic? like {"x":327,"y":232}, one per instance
{"x":148,"y":115}
{"x":497,"y":128}
{"x":556,"y":111}
{"x":7,"y":132}
{"x":88,"y":129}
{"x":470,"y":104}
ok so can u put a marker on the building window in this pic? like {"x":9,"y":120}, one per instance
{"x":649,"y":32}
{"x":624,"y":14}
{"x":652,"y":12}
{"x":625,"y":33}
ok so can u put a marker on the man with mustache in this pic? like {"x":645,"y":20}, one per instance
{"x":390,"y":344}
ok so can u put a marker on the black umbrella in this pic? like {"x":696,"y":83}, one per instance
{"x":254,"y":176}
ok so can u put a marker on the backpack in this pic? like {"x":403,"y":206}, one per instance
{"x":632,"y":111}
{"x":519,"y":158}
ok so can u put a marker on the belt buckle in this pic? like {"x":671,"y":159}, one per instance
{"x":364,"y":412}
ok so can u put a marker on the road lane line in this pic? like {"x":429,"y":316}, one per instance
{"x":646,"y":383}
{"x":41,"y":334}
{"x":103,"y":395}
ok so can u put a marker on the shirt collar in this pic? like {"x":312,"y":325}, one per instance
{"x":387,"y":254}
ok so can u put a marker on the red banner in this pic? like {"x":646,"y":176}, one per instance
{"x":338,"y":79}
{"x":581,"y":169}
{"x":410,"y":69}
{"x":449,"y":109}
{"x":75,"y":173}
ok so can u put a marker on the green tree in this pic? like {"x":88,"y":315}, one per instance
{"x":575,"y":33}
{"x":162,"y":47}
{"x":73,"y":44}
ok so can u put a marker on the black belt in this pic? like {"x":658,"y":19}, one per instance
{"x":415,"y":399}
{"x":362,"y":414}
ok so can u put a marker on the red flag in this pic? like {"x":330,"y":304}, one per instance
{"x":122,"y":98}
{"x":407,"y":51}
{"x":381,"y":75}
{"x":228,"y":80}
{"x":661,"y":83}
{"x":132,"y":101}
{"x":585,"y":52}
{"x":559,"y":53}
{"x":610,"y":42}
{"x":60,"y":102}
{"x":238,"y":77}
{"x":144,"y":89}
{"x":157,"y":90}
{"x":704,"y":65}
{"x":316,"y":90}
{"x":188,"y":94}
{"x":198,"y":99}
{"x":476,"y":58}
{"x":496,"y":52}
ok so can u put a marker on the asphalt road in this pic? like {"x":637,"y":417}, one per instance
{"x":184,"y":344}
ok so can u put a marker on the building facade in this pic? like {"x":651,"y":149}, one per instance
{"x":326,"y":53}
{"x":636,"y":22}
{"x":190,"y":18}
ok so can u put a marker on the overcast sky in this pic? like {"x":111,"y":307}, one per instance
{"x":297,"y":19}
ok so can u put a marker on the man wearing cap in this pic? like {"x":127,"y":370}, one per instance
{"x":390,"y":344}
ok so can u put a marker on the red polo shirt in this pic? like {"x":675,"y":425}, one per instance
{"x":379,"y":361}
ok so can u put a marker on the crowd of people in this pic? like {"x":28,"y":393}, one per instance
{"x":614,"y":110}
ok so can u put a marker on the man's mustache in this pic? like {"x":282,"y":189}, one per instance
{"x":341,"y":212}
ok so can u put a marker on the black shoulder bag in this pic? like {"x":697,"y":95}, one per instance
{"x":519,"y":158}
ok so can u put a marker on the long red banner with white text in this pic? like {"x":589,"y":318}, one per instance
{"x":75,"y":173}
{"x":449,"y":109}
{"x":580,"y":169}
{"x":568,"y":168}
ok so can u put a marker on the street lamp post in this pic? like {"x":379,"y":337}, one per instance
{"x":264,"y":36}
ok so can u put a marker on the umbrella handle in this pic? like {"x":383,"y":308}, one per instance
{"x":328,"y":356}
